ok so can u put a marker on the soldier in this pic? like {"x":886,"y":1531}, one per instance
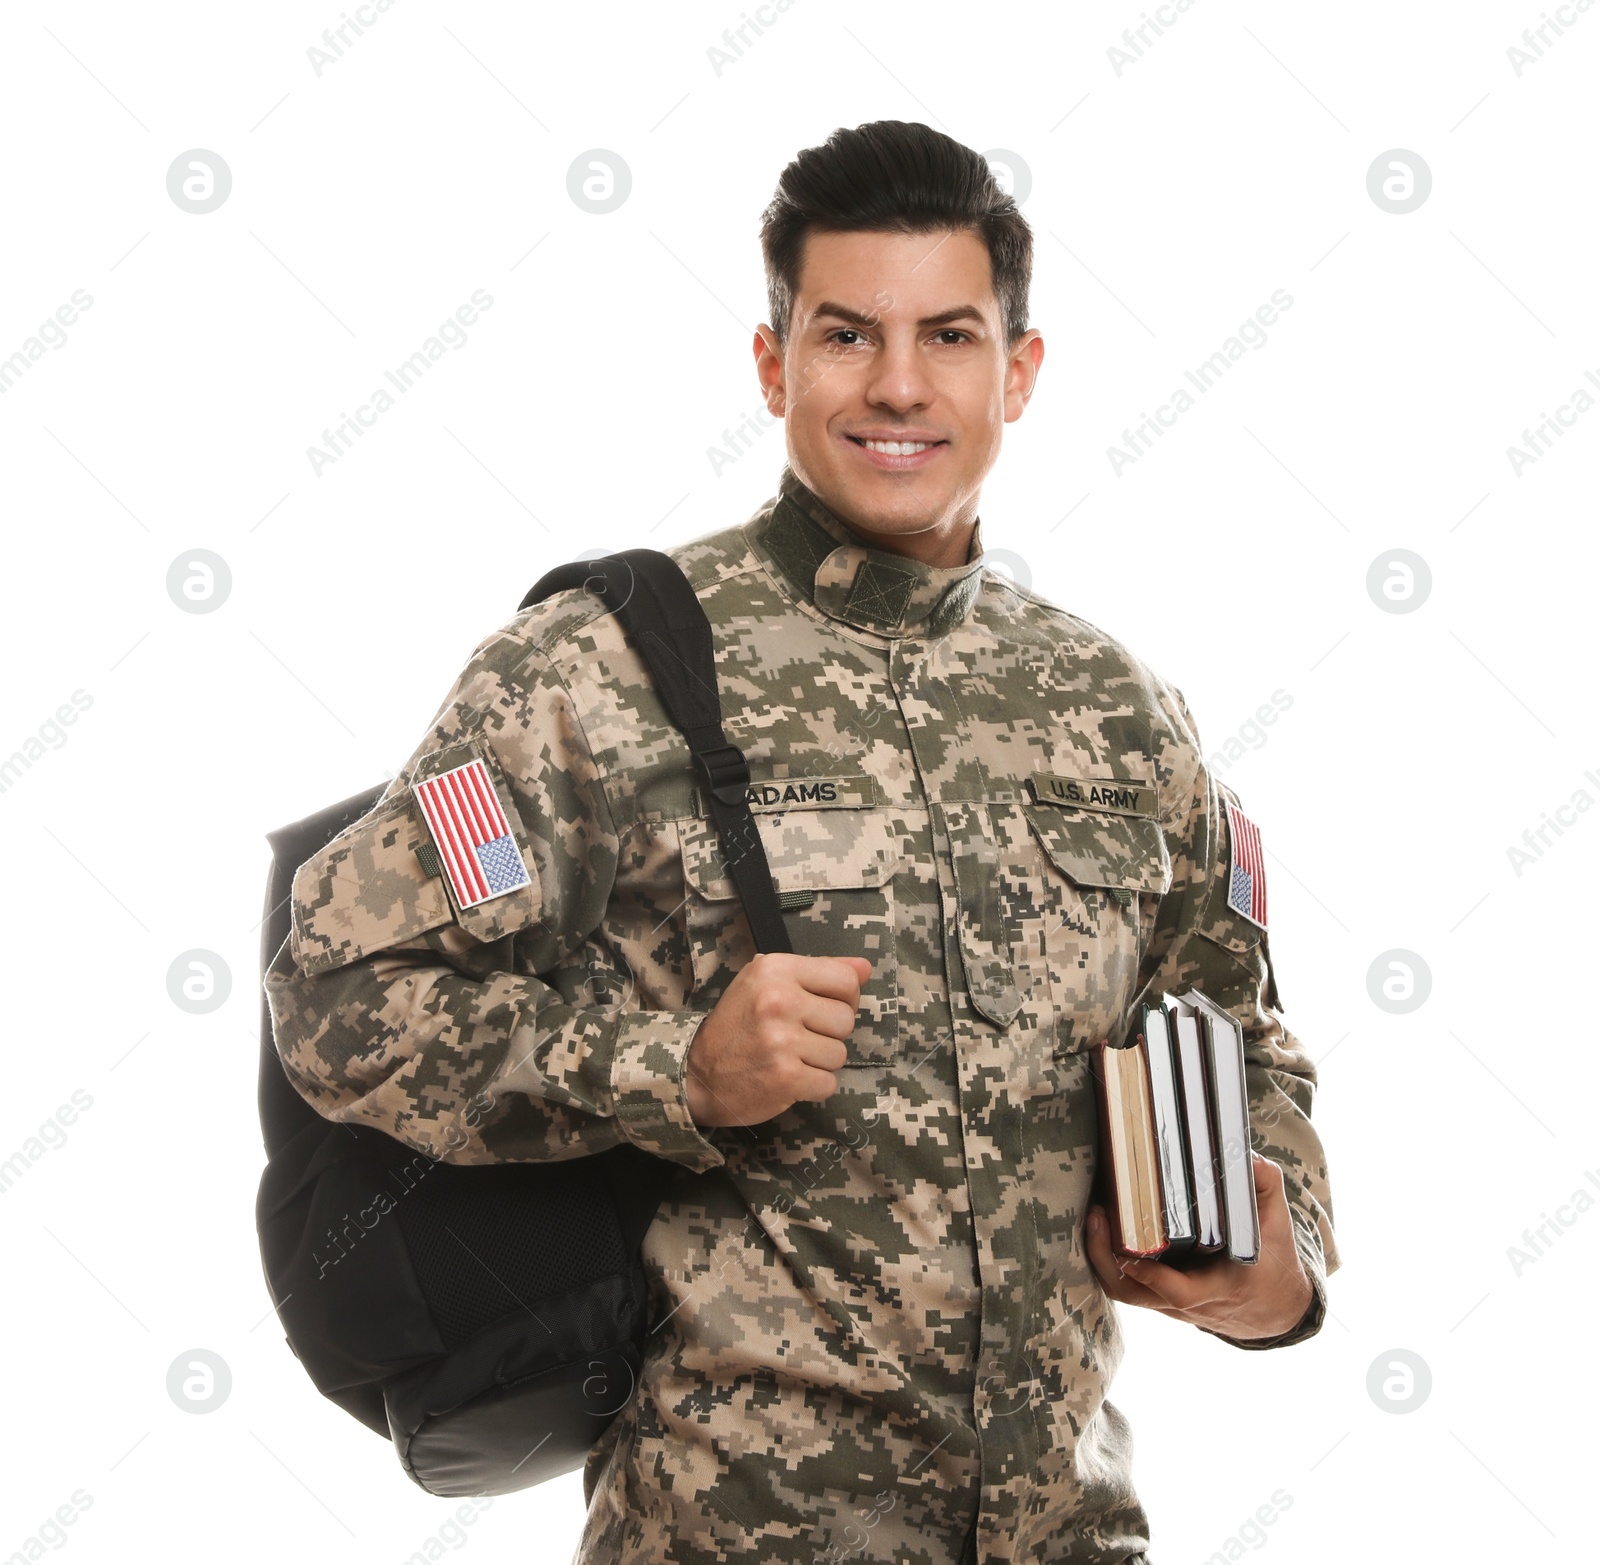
{"x":883,"y":1304}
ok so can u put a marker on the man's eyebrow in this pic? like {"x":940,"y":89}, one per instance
{"x":960,"y":312}
{"x":843,"y":312}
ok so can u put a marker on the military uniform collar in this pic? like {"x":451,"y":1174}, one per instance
{"x":826,"y":564}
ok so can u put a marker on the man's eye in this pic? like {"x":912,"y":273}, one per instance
{"x":951,"y":335}
{"x":846,"y":331}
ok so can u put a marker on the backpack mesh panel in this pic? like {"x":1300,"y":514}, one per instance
{"x":481,"y":1248}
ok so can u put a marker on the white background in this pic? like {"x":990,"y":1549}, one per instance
{"x":1168,"y":203}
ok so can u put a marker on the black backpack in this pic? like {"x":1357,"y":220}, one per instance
{"x":489,"y":1320}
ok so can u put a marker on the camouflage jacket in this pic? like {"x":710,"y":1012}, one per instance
{"x":878,"y":1336}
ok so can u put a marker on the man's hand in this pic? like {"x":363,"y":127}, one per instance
{"x":774,"y":1038}
{"x":1238,"y":1301}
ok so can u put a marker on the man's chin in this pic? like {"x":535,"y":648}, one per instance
{"x":885,"y":503}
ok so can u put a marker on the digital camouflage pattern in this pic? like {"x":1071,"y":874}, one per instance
{"x":877,"y":1334}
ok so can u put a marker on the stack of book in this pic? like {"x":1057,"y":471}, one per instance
{"x":1175,"y":1135}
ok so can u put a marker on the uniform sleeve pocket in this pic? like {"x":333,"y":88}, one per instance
{"x":506,"y":859}
{"x":1250,"y":971}
{"x":367,"y":889}
{"x":383,"y":880}
{"x":1222,"y":924}
{"x":1232,"y":932}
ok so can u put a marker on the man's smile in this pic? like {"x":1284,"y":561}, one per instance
{"x":900,"y":452}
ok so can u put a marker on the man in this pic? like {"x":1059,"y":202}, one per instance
{"x":883,"y":1301}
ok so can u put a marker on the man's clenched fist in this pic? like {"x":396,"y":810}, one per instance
{"x":775,"y":1038}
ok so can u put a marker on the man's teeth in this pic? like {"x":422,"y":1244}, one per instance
{"x":898,"y":447}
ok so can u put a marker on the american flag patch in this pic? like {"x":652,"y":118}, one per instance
{"x":473,"y":837}
{"x":1247,"y":876}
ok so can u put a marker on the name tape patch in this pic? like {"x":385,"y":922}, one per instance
{"x":1118,"y":796}
{"x":787,"y":793}
{"x":476,"y":850}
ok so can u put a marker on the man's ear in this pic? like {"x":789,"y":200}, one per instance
{"x":1022,"y":372}
{"x":769,"y":369}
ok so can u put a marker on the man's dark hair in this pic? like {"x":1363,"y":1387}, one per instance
{"x":903,"y":177}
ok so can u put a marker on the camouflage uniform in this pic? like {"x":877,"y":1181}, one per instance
{"x":877,"y":1335}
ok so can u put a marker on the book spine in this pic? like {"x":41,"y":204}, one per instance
{"x":1105,"y":1178}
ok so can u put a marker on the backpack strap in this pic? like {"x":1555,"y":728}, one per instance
{"x":657,"y":607}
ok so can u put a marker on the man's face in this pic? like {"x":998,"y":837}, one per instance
{"x":897,"y":338}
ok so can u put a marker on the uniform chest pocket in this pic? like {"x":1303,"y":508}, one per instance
{"x":1103,"y":874}
{"x":834,"y":872}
